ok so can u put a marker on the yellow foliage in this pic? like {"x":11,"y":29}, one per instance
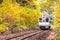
{"x":2,"y":28}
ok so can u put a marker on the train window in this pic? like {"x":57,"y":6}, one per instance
{"x":1,"y":1}
{"x":40,"y":19}
{"x":47,"y":19}
{"x":43,"y":20}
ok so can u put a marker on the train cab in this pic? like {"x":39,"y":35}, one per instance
{"x":44,"y":23}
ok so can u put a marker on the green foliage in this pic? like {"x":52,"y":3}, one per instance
{"x":14,"y":14}
{"x":57,"y":31}
{"x":30,"y":16}
{"x":2,"y":28}
{"x":58,"y":38}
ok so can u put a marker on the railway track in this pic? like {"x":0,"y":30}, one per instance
{"x":32,"y":35}
{"x":24,"y":36}
{"x":21,"y":36}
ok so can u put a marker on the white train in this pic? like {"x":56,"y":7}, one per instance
{"x":45,"y":21}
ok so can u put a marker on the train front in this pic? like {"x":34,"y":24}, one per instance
{"x":45,"y":22}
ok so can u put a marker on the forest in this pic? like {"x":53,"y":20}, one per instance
{"x":17,"y":15}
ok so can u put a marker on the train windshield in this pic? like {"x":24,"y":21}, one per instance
{"x":43,"y":19}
